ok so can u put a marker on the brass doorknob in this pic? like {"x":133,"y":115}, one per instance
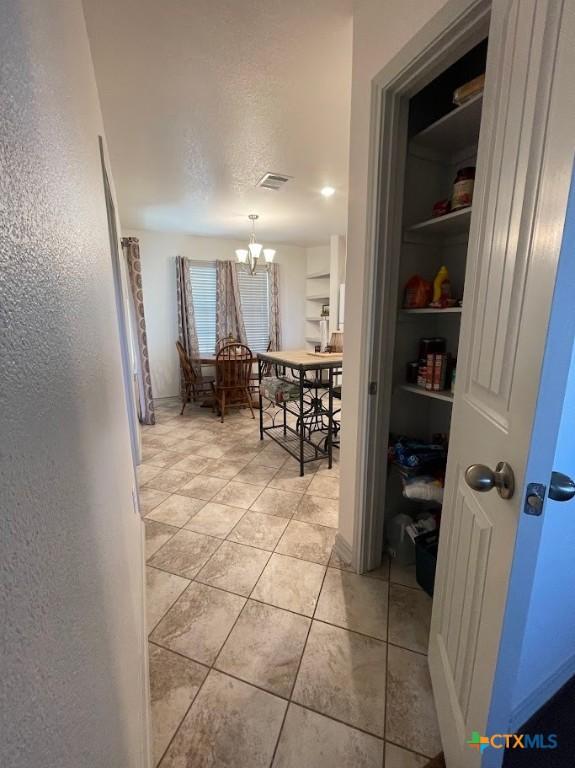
{"x":482,"y":478}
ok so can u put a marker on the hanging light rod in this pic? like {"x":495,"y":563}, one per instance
{"x":249,"y":257}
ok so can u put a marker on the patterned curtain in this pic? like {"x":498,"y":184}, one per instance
{"x":274,"y":289}
{"x":229,"y":318}
{"x":186,"y":320}
{"x":131,"y":248}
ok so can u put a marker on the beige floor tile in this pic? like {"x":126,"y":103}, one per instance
{"x":354,"y":602}
{"x":149,"y":453}
{"x":409,"y":617}
{"x":162,"y":589}
{"x":165,"y":459}
{"x":185,"y":553}
{"x":165,"y":442}
{"x":403,"y":574}
{"x":342,"y":675}
{"x":271,"y":456}
{"x":396,"y":757}
{"x":288,"y":479}
{"x":307,"y":541}
{"x":265,"y":647}
{"x":203,"y":487}
{"x":210,"y":451}
{"x":336,"y":561}
{"x":215,"y":519}
{"x":290,"y":583}
{"x":309,"y":740}
{"x":259,"y":530}
{"x":174,"y":683}
{"x":324,"y":485}
{"x":238,"y":494}
{"x":192,"y":464}
{"x":274,"y":502}
{"x":410,"y":718}
{"x":199,"y":622}
{"x":382,"y":572}
{"x":175,"y":510}
{"x":149,"y":499}
{"x":319,"y":510}
{"x":239,"y":453}
{"x":255,"y":474}
{"x":223,"y":468}
{"x":146,"y":472}
{"x":234,"y":567}
{"x":169,"y":480}
{"x":157,"y":534}
{"x":230,"y":724}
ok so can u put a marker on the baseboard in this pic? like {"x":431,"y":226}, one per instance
{"x":542,"y":694}
{"x":344,"y":549}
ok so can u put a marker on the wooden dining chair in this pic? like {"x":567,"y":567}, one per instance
{"x":224,"y":341}
{"x":233,"y":370}
{"x":194,"y":383}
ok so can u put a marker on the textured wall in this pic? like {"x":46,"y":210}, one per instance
{"x":71,"y":595}
{"x":158,"y":251}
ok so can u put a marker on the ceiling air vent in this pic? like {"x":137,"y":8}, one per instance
{"x":273,"y":181}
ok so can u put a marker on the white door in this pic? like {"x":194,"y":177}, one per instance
{"x":524,"y":171}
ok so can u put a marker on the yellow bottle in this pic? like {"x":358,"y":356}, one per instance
{"x":441,"y":286}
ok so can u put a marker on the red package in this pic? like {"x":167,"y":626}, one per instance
{"x":418,"y":293}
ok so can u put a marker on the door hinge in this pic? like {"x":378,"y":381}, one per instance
{"x":372,"y":389}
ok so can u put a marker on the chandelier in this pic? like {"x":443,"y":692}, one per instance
{"x":249,"y":257}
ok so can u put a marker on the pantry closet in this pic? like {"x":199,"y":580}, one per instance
{"x":441,"y":154}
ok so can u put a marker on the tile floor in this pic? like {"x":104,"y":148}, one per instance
{"x":265,"y":649}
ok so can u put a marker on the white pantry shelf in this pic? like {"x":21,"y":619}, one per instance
{"x":454,"y":223}
{"x":455,"y":131}
{"x":443,"y":395}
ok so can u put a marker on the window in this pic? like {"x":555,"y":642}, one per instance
{"x":254,"y":295}
{"x":203,"y":281}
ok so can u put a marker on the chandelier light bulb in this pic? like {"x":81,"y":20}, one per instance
{"x":242,"y":255}
{"x":269,"y":254}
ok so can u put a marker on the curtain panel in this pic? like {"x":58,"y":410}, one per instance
{"x":186,"y":320}
{"x":229,"y":318}
{"x":131,"y":249}
{"x":274,"y":304}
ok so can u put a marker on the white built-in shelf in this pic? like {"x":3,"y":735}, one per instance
{"x":314,"y":275}
{"x":445,"y":395}
{"x":455,"y":131}
{"x":454,"y":223}
{"x":432,"y":311}
{"x":313,"y":340}
{"x":317,"y":297}
{"x":314,"y":319}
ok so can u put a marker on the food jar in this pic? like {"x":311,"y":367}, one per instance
{"x":463,"y":188}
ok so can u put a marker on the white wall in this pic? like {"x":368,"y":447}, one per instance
{"x":158,"y":251}
{"x":72,"y":660}
{"x":380,"y":29}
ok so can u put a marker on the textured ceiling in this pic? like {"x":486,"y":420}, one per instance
{"x":202,"y":97}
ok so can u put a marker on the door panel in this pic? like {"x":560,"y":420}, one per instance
{"x":518,"y":212}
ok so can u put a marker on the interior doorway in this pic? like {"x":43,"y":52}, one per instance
{"x":491,"y":251}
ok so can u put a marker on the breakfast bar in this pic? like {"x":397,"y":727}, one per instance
{"x":297,"y":390}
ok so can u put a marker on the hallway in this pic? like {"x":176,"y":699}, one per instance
{"x":265,"y":650}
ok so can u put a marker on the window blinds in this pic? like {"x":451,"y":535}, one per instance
{"x":254,"y":295}
{"x":203,"y":282}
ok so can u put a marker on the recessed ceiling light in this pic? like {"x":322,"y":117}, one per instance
{"x":327,"y":191}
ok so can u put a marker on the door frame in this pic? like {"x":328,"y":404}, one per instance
{"x":455,"y":29}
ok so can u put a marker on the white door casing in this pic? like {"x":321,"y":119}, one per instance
{"x":521,"y":192}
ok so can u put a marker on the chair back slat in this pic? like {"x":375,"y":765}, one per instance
{"x":187,"y":368}
{"x":233,"y":366}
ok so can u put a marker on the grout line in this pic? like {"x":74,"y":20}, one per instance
{"x":386,"y":697}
